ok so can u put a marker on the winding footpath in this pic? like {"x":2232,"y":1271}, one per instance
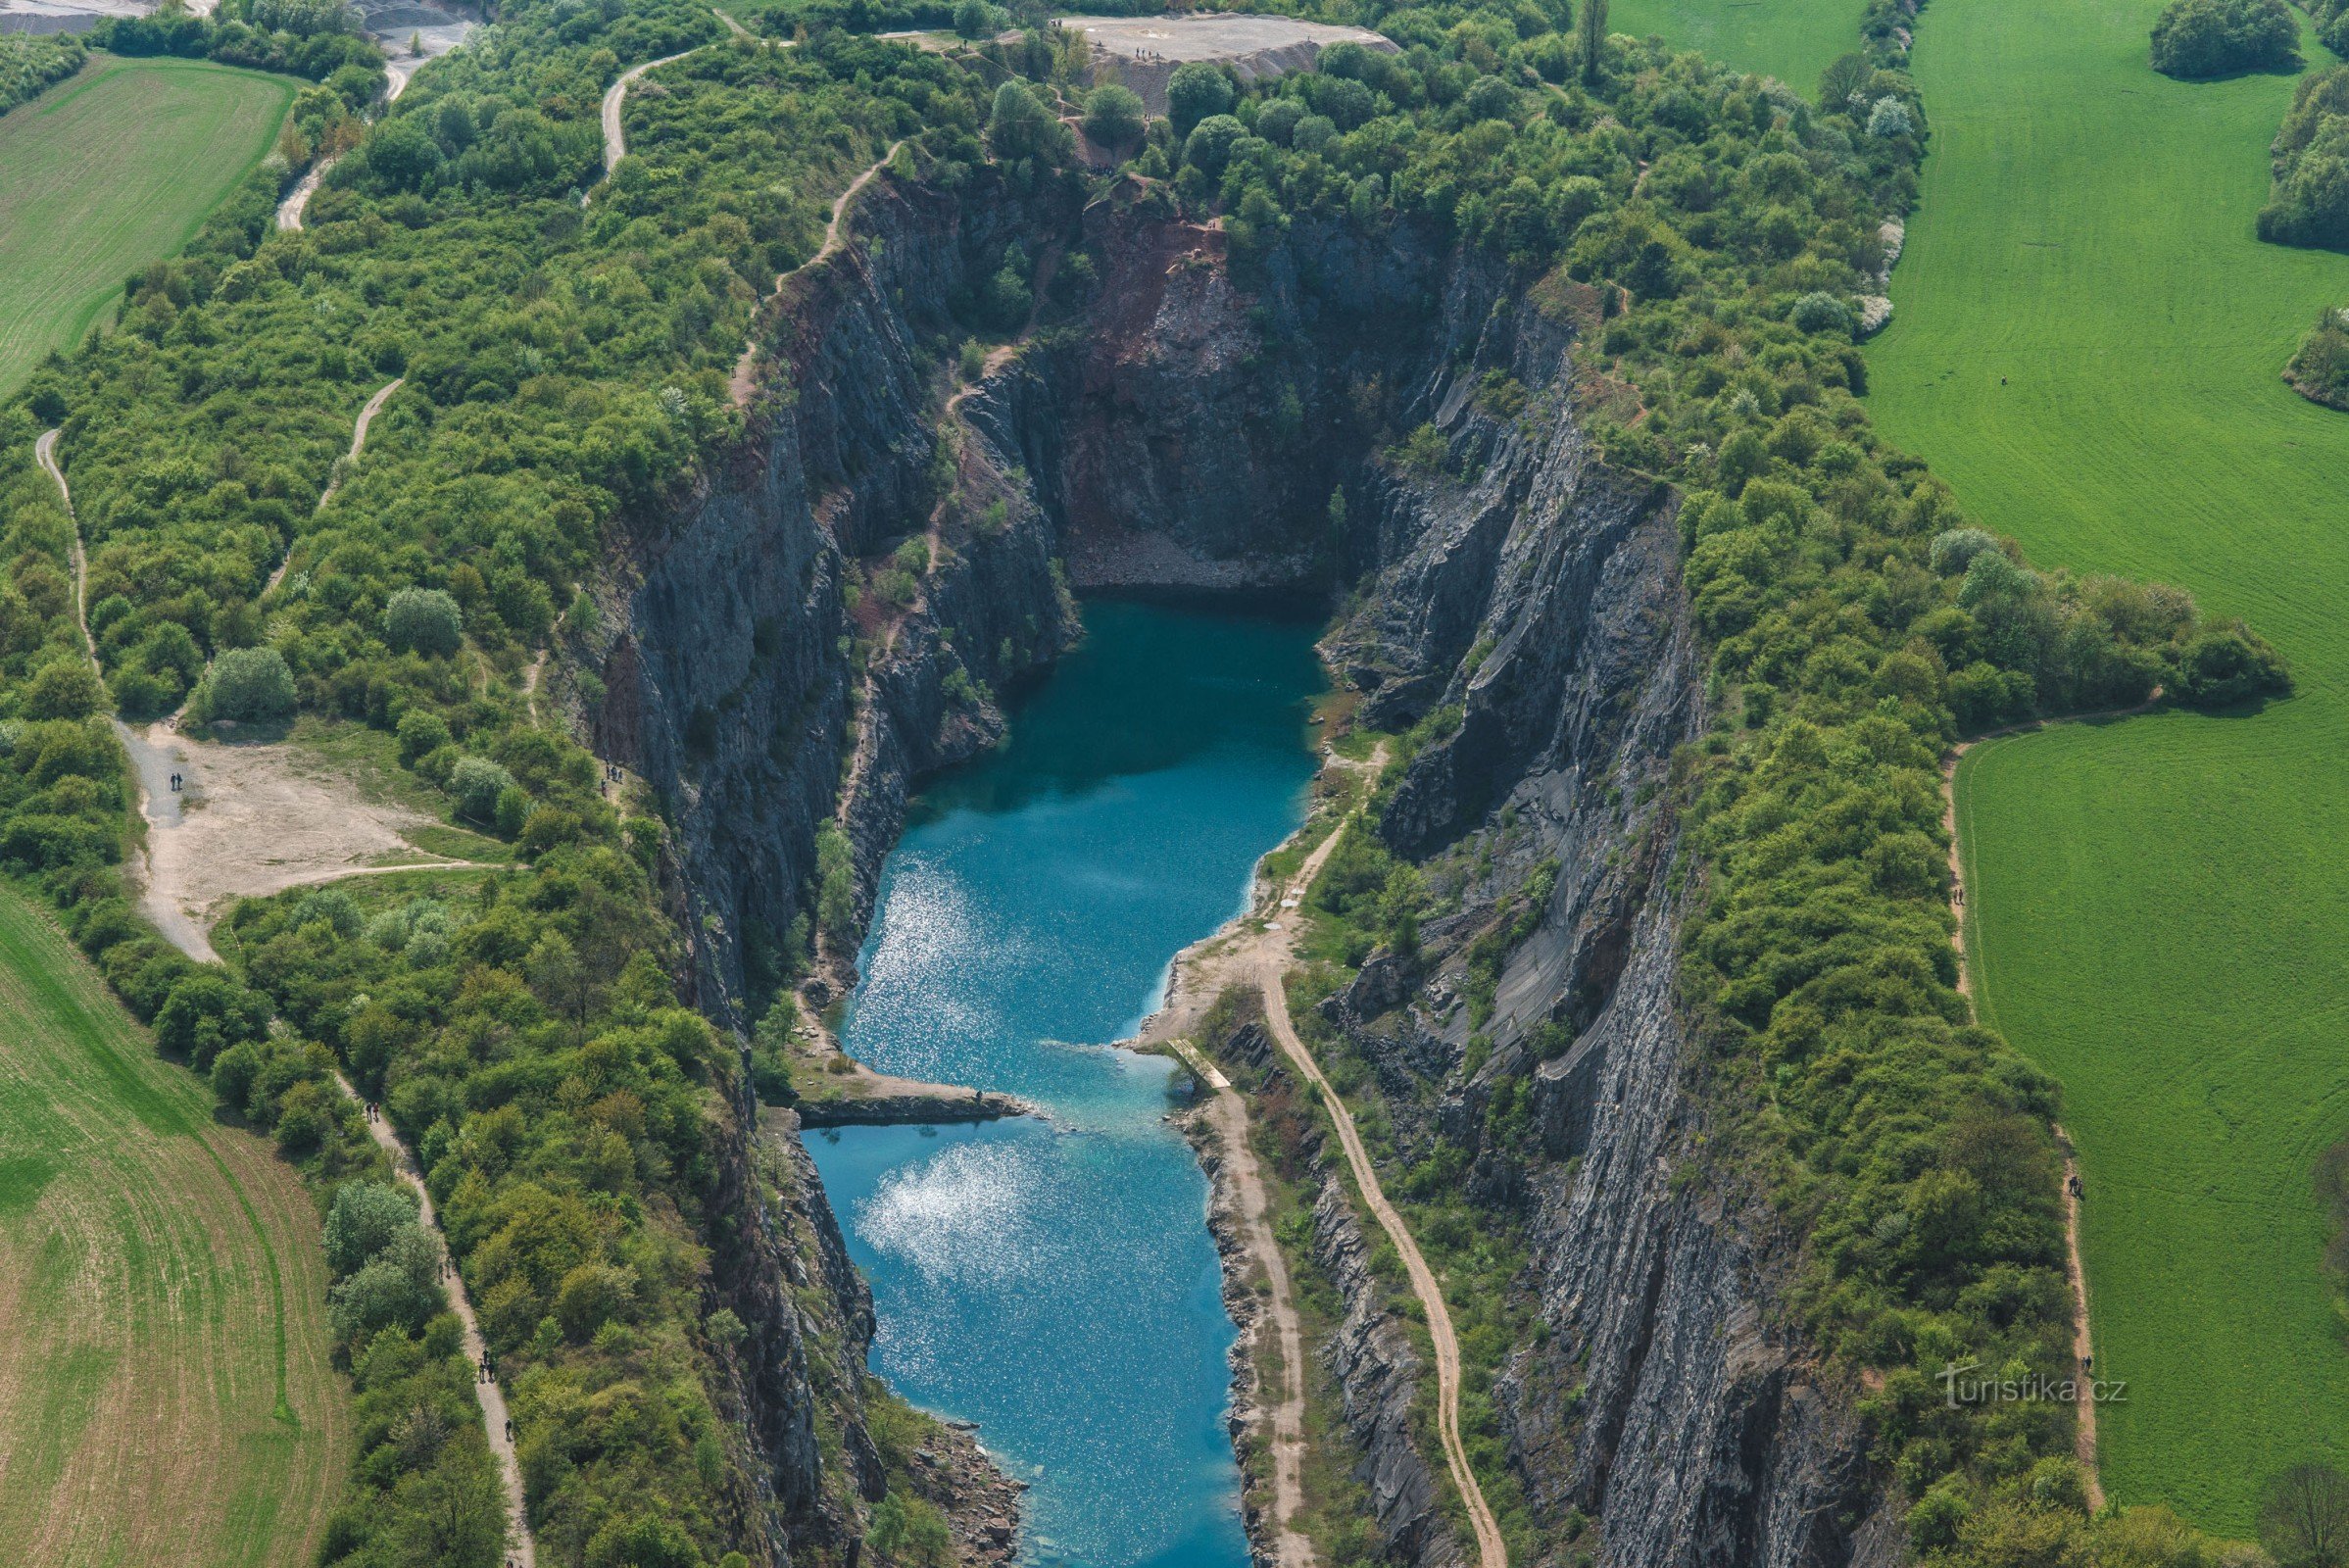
{"x":297,"y":201}
{"x":745,"y":379}
{"x":192,"y":941}
{"x":616,"y":141}
{"x":1492,"y":1552}
{"x":2083,"y":1439}
{"x":520,"y":1547}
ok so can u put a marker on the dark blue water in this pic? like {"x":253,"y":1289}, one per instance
{"x":1055,"y":1282}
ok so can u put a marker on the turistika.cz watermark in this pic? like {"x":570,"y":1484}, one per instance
{"x":1967,"y":1384}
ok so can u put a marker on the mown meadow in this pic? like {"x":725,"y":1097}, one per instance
{"x":2087,"y":347}
{"x":105,"y":174}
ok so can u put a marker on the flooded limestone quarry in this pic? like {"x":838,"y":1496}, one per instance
{"x":1052,"y":1279}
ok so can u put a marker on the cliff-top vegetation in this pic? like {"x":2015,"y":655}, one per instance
{"x":567,"y":373}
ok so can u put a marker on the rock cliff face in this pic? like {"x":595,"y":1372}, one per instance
{"x":1187,"y":424}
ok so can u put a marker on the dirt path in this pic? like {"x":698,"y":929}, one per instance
{"x":2083,"y":1345}
{"x":396,"y":77}
{"x":1239,"y":954}
{"x":616,"y":141}
{"x":492,"y":1398}
{"x":745,"y":379}
{"x":45,"y":452}
{"x":2084,"y":1435}
{"x":1271,"y":961}
{"x":359,"y":444}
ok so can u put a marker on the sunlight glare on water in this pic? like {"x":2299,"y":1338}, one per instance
{"x":1053,"y":1280}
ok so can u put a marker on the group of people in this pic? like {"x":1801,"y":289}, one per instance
{"x":174,"y":783}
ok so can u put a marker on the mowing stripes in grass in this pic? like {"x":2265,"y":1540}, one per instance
{"x":2087,"y":346}
{"x":109,"y":172}
{"x":2161,"y":902}
{"x":163,"y":1290}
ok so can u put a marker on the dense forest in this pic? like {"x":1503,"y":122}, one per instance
{"x":565,"y":346}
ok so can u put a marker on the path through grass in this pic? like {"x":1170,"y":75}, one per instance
{"x":109,"y":172}
{"x":165,"y":1394}
{"x":2160,"y":903}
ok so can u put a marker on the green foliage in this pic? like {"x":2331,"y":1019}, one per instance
{"x":423,"y":621}
{"x":249,"y":685}
{"x":29,"y":62}
{"x":324,"y":41}
{"x":2307,"y":203}
{"x":363,"y":1219}
{"x":2197,"y":39}
{"x":1019,"y":126}
{"x":1113,"y":114}
{"x":2319,"y":366}
{"x":835,"y":884}
{"x":1197,"y":90}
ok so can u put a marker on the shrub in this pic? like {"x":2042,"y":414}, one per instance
{"x":2196,"y":40}
{"x":2227,"y":664}
{"x":206,"y":1013}
{"x":1195,"y":91}
{"x":476,"y":782}
{"x":1822,"y":313}
{"x":2308,"y":201}
{"x":423,"y":621}
{"x":1019,"y":126}
{"x":1113,"y":114}
{"x":67,"y":689}
{"x":398,"y":1288}
{"x":421,"y":732}
{"x":1210,"y":145}
{"x":1889,"y":118}
{"x":976,"y":19}
{"x":249,"y":685}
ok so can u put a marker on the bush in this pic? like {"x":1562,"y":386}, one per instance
{"x":67,"y":689}
{"x":398,"y":1288}
{"x":2308,"y":200}
{"x":1195,"y":91}
{"x":423,"y":621}
{"x":249,"y":685}
{"x":1210,"y":142}
{"x":476,"y":783}
{"x":1114,"y":116}
{"x":421,"y":732}
{"x":363,"y":1221}
{"x":206,"y":1013}
{"x":2225,"y":665}
{"x":2197,"y":39}
{"x":1822,"y":313}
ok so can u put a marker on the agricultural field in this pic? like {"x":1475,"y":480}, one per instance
{"x":110,"y":171}
{"x":2086,"y":346}
{"x":165,"y":1294}
{"x":1790,"y":39}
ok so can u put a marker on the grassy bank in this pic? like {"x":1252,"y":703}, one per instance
{"x":2088,"y":348}
{"x":165,"y":1294}
{"x":108,"y":173}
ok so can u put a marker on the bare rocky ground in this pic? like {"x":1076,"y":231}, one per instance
{"x":251,"y":819}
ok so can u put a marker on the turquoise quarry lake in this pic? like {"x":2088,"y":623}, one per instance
{"x":1052,"y":1280}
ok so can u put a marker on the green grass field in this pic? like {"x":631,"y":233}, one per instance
{"x":109,"y":172}
{"x":2160,"y":904}
{"x":165,"y":1393}
{"x":1790,"y":39}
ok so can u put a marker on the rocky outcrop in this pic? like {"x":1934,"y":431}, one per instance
{"x":1220,"y":423}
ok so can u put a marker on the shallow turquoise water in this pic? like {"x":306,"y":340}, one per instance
{"x":1053,"y":1281}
